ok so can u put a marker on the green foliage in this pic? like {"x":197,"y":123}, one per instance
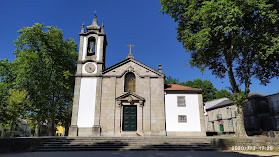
{"x":44,"y":67}
{"x":170,"y":80}
{"x":222,"y":93}
{"x":17,"y":108}
{"x":239,"y":99}
{"x":235,"y":37}
{"x":208,"y":89}
{"x":6,"y":83}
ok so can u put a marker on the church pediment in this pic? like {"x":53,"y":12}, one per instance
{"x":130,"y":98}
{"x":128,"y":65}
{"x":127,"y":95}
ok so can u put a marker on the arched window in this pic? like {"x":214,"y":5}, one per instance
{"x":130,"y":83}
{"x":91,"y":46}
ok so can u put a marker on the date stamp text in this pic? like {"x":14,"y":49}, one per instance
{"x":252,"y":148}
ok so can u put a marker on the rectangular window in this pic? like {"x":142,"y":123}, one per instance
{"x":182,"y":118}
{"x":230,"y":123}
{"x":181,"y":101}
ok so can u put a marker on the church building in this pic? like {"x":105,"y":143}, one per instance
{"x":128,"y":98}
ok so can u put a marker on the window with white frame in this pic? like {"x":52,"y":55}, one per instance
{"x":182,"y":118}
{"x":181,"y":101}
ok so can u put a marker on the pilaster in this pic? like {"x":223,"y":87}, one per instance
{"x":73,"y":130}
{"x":96,"y":126}
{"x":80,"y":48}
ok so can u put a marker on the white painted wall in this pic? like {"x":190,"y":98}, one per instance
{"x":191,"y":110}
{"x":84,"y":48}
{"x":98,"y":49}
{"x":87,"y":99}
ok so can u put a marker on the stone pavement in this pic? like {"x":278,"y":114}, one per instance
{"x":142,"y":154}
{"x":262,"y":153}
{"x":147,"y":145}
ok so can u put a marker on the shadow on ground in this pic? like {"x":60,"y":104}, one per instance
{"x":134,"y":154}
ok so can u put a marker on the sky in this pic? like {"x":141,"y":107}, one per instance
{"x":136,"y":22}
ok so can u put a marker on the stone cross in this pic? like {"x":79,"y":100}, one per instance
{"x":95,"y":13}
{"x":130,"y":47}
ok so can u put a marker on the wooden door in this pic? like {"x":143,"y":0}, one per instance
{"x":130,"y":118}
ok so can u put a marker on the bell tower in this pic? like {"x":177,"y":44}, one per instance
{"x":92,"y":48}
{"x":88,"y":80}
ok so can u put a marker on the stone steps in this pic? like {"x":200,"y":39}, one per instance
{"x":139,"y":143}
{"x":125,"y":144}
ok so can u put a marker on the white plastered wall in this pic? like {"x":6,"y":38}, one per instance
{"x":191,"y":111}
{"x":87,"y":99}
{"x":84,"y":48}
{"x":98,"y":49}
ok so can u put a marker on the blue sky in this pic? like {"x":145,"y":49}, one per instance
{"x":136,"y":22}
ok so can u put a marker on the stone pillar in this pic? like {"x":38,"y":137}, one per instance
{"x":100,"y":49}
{"x":147,"y":105}
{"x":96,"y":130}
{"x":140,"y":117}
{"x":73,"y":130}
{"x":117,"y":122}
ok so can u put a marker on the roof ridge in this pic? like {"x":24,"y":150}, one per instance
{"x":177,"y":87}
{"x":217,"y":99}
{"x":185,"y":86}
{"x":131,"y":60}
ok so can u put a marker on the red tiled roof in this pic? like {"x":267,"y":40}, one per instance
{"x":176,"y":87}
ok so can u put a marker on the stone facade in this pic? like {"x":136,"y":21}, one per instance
{"x":227,"y":119}
{"x":273,"y":101}
{"x":148,"y":97}
{"x":258,"y":116}
{"x":102,"y":104}
{"x":220,"y":116}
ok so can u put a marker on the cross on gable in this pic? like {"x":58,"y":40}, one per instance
{"x":130,"y":47}
{"x":95,"y":13}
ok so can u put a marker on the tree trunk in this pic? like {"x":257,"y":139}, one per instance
{"x":240,"y":128}
{"x":4,"y":133}
{"x":37,"y":130}
{"x":12,"y":126}
{"x":53,"y":130}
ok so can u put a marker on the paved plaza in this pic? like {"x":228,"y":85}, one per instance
{"x":142,"y":154}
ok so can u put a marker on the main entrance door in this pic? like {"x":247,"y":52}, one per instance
{"x":130,"y":118}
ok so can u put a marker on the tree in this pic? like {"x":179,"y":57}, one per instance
{"x":208,"y":89}
{"x":45,"y":67}
{"x":14,"y":103}
{"x":17,"y":108}
{"x":223,"y":93}
{"x":238,"y":38}
{"x":170,"y":80}
{"x":6,"y":83}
